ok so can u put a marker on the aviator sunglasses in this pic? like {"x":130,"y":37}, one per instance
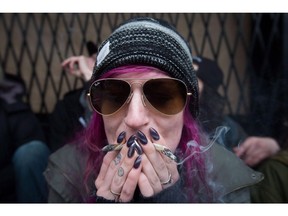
{"x":167,"y":95}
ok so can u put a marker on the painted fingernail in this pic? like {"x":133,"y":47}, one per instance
{"x":138,"y":147}
{"x":142,"y":138}
{"x":131,"y":140}
{"x":137,"y":162}
{"x":121,"y":137}
{"x":131,"y":151}
{"x":154,"y":134}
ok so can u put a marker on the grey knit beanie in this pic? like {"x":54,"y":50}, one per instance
{"x":146,"y":41}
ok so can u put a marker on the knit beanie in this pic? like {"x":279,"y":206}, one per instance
{"x":150,"y":42}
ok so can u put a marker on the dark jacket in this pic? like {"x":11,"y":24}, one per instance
{"x":64,"y":175}
{"x":70,"y":115}
{"x":273,"y":189}
{"x":18,"y":125}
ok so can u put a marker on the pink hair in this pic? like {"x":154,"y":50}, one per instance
{"x":95,"y":139}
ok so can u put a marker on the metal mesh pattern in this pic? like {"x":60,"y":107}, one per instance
{"x":33,"y":46}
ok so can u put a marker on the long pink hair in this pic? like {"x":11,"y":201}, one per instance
{"x":95,"y":139}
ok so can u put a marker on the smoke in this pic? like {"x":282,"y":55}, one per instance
{"x":195,"y":148}
{"x":216,"y":189}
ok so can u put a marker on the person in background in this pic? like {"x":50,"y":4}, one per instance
{"x":211,"y":116}
{"x":65,"y":122}
{"x":23,"y":151}
{"x":251,"y":149}
{"x":144,"y":142}
{"x":262,"y":153}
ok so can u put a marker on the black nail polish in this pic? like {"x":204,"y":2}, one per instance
{"x":131,"y":140}
{"x":138,"y":147}
{"x":137,"y":162}
{"x":142,"y":138}
{"x":131,"y":151}
{"x":154,"y":134}
{"x":121,"y":137}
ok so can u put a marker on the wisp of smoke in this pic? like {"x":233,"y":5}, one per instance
{"x":195,"y":148}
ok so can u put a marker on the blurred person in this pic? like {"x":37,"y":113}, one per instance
{"x":263,"y":153}
{"x":23,"y":151}
{"x":251,"y":149}
{"x":65,"y":122}
{"x":144,"y":142}
{"x":211,"y":116}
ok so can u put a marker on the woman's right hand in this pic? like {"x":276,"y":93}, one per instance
{"x":118,"y":176}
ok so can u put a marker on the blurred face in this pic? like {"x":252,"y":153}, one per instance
{"x":200,"y":83}
{"x":138,"y":114}
{"x":201,"y":86}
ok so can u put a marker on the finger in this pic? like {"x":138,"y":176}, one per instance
{"x":110,"y":170}
{"x":122,"y":172}
{"x":104,"y":167}
{"x":144,"y":186}
{"x":65,"y":62}
{"x":73,"y":65}
{"x":254,"y":156}
{"x":242,"y":149}
{"x":253,"y":152}
{"x":104,"y":178}
{"x":159,"y":161}
{"x":173,"y":171}
{"x":156,"y":163}
{"x":129,"y":187}
{"x":116,"y":156}
{"x":153,"y":156}
{"x":151,"y":175}
{"x":68,"y":61}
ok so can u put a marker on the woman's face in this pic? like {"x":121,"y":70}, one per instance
{"x":136,"y":116}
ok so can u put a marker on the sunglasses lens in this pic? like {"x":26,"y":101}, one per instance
{"x":166,"y":95}
{"x":108,"y":96}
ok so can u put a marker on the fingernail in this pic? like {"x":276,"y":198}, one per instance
{"x":137,"y":162}
{"x":121,"y":137}
{"x":131,"y":151}
{"x":131,"y":140}
{"x":138,"y":147}
{"x":142,"y":138}
{"x":154,"y":134}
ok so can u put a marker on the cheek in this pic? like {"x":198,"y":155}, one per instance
{"x":172,"y":131}
{"x":111,"y":126}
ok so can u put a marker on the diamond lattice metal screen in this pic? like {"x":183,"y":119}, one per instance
{"x":33,"y":46}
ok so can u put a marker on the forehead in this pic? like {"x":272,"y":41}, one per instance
{"x":143,"y":75}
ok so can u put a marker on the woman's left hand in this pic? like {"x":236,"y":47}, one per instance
{"x":158,"y":171}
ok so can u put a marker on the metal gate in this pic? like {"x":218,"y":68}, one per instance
{"x":250,"y":48}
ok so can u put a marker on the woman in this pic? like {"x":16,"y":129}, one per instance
{"x":143,"y":143}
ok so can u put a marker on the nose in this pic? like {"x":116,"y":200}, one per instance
{"x":137,"y":114}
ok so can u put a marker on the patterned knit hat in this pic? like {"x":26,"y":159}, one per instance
{"x":146,"y":41}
